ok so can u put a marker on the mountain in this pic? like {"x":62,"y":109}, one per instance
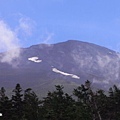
{"x":70,"y":63}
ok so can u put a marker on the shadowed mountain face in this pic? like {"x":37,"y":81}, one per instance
{"x":69,"y":63}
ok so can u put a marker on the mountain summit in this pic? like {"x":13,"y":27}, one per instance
{"x":70,"y":63}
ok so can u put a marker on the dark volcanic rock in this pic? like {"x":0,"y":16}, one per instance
{"x":69,"y":63}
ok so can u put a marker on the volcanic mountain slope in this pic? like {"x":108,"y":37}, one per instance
{"x":69,"y":63}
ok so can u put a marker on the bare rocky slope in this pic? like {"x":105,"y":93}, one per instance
{"x":69,"y":63}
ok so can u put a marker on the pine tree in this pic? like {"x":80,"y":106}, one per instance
{"x":17,"y":103}
{"x":58,"y":105}
{"x":87,"y":97}
{"x":113,"y":103}
{"x":83,"y":102}
{"x":5,"y":105}
{"x":31,"y":105}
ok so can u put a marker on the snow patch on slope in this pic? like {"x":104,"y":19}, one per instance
{"x":66,"y":74}
{"x":35,"y":59}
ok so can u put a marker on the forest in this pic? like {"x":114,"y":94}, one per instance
{"x":82,"y":104}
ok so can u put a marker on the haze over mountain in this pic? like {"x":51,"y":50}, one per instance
{"x":70,"y":63}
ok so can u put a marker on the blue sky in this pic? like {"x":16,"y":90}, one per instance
{"x":50,"y":21}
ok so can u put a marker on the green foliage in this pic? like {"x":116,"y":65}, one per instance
{"x":85,"y":104}
{"x":17,"y":103}
{"x":58,"y":105}
{"x":31,"y":105}
{"x":5,"y":105}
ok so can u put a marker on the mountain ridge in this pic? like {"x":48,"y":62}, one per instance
{"x":70,"y":63}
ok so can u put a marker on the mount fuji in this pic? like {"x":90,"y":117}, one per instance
{"x":68,"y":63}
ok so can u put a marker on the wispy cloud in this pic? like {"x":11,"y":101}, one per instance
{"x":10,"y":38}
{"x":8,"y":42}
{"x":47,"y":37}
{"x":26,"y":26}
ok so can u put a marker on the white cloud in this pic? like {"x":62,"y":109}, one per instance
{"x":8,"y":42}
{"x":47,"y":37}
{"x":26,"y":26}
{"x":10,"y":38}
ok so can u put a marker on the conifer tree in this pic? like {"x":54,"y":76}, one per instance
{"x":5,"y":105}
{"x":17,"y":103}
{"x":31,"y":105}
{"x":58,"y":105}
{"x":87,"y":97}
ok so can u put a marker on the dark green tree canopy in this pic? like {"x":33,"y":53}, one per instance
{"x":84,"y":104}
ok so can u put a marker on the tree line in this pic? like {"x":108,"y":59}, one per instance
{"x":83,"y":104}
